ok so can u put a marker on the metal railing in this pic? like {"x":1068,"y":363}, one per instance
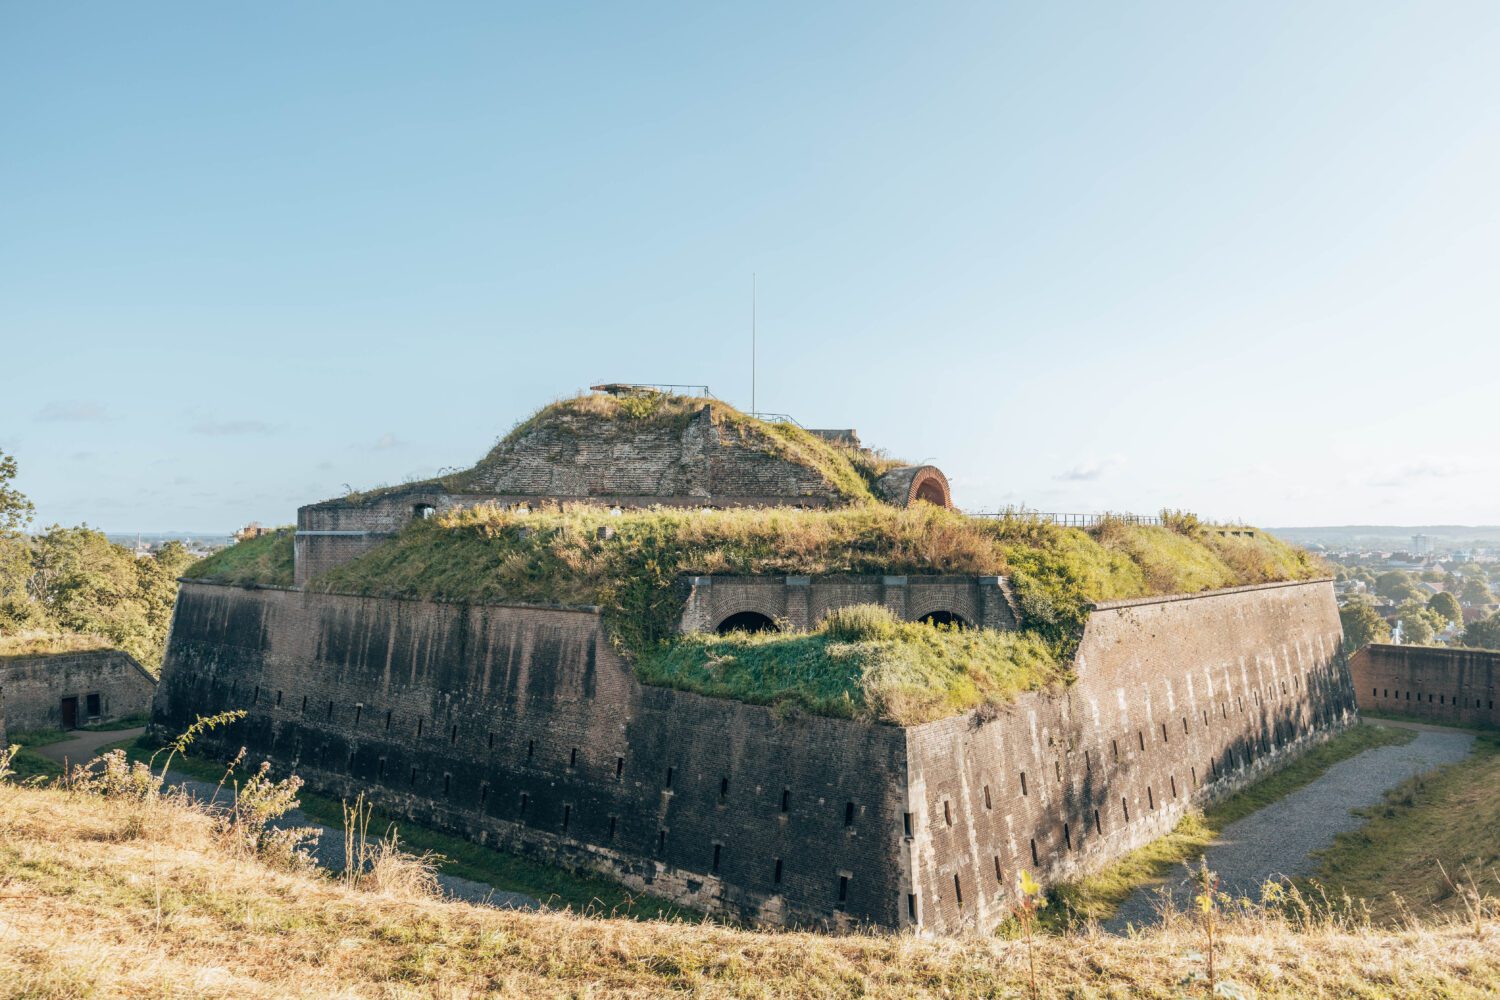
{"x":617,"y":388}
{"x":778,"y":418}
{"x":1071,"y":520}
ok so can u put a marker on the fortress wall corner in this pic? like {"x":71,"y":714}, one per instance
{"x":1177,"y":703}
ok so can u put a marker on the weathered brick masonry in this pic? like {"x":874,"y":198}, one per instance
{"x":1455,"y":686}
{"x":103,"y":684}
{"x":803,"y":601}
{"x":520,"y":727}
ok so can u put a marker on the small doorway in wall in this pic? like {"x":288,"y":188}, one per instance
{"x":70,"y":713}
{"x":92,"y":706}
{"x":944,"y":618}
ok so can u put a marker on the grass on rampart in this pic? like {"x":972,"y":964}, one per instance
{"x":266,"y":559}
{"x":1099,"y":896}
{"x":103,"y":899}
{"x":1434,"y":836}
{"x":849,"y":473}
{"x":631,"y":565}
{"x":862,"y":663}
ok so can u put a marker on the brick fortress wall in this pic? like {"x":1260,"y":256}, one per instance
{"x":1454,"y":686}
{"x":1178,"y":701}
{"x":32,"y":687}
{"x":520,"y":727}
{"x":802,"y":601}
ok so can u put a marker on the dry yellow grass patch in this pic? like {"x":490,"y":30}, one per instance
{"x":38,"y":642}
{"x":100,"y":900}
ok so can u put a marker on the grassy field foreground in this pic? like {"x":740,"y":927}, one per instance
{"x":100,"y":897}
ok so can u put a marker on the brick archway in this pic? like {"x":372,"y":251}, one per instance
{"x":747,"y":621}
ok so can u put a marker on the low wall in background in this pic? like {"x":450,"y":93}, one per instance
{"x":32,"y":688}
{"x":1441,"y":684}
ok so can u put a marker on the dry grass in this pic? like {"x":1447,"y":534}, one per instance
{"x":1428,"y":845}
{"x":39,"y":642}
{"x":94,"y":902}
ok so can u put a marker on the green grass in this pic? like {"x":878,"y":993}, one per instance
{"x":115,"y":725}
{"x":880,"y":669}
{"x":39,"y":737}
{"x":1429,"y":836}
{"x":631,"y":566}
{"x":552,"y":885}
{"x":1473,"y":727}
{"x":265,"y":559}
{"x":1099,"y":896}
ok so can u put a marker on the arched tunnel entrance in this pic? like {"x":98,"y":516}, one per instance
{"x":747,"y":621}
{"x":947,"y":618}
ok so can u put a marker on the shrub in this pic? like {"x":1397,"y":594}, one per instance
{"x":859,"y":622}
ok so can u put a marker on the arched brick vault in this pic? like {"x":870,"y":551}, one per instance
{"x":772,"y":607}
{"x":907,"y":484}
{"x":919,"y":604}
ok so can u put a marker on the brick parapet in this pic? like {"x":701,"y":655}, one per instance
{"x":1436,"y":683}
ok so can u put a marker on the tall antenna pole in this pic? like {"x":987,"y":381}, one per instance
{"x":752,"y":342}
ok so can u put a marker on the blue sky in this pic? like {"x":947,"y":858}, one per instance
{"x":1237,"y":258}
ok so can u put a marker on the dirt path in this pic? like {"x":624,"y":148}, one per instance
{"x":1279,"y":839}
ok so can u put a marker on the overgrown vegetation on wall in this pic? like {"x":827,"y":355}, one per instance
{"x":848,"y":472}
{"x":266,"y":559}
{"x":631,"y":564}
{"x":860,"y":662}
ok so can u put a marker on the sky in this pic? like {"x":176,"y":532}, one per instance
{"x":1238,"y":259}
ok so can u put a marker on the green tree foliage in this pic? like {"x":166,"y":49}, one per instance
{"x":1398,"y":586}
{"x":1447,"y":605}
{"x":1475,"y":591}
{"x":1419,"y":624}
{"x":1483,"y":634}
{"x":80,"y":581}
{"x":1362,"y":624}
{"x":15,"y":508}
{"x":75,"y":580}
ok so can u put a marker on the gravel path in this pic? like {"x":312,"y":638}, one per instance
{"x":330,"y":847}
{"x":85,"y":744}
{"x":1278,"y":839}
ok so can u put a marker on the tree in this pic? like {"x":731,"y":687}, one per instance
{"x":1484,"y":634}
{"x":1475,"y":592}
{"x":1447,"y":605}
{"x":1398,"y":586}
{"x":15,"y":509}
{"x":1419,"y":625}
{"x":1362,"y":624}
